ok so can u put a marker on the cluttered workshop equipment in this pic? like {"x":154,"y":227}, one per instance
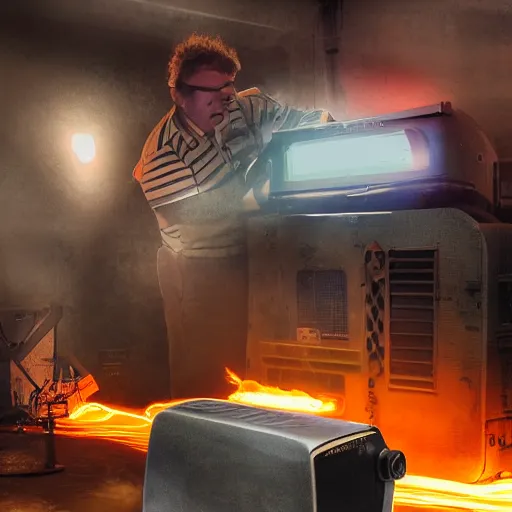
{"x":37,"y":384}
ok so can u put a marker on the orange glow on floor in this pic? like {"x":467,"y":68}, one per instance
{"x":94,"y":420}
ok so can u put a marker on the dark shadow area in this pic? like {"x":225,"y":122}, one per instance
{"x":82,"y":236}
{"x":98,"y":476}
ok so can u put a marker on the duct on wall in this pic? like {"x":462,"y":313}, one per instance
{"x":330,"y":33}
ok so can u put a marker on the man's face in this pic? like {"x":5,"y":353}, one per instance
{"x":205,"y":97}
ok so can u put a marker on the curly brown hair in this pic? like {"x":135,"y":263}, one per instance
{"x":197,"y":51}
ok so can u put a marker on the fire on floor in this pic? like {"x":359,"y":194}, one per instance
{"x":132,"y":428}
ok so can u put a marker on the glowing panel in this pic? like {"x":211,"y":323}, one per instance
{"x":350,"y":157}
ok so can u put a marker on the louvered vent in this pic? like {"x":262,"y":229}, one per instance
{"x":412,"y":283}
{"x":322,"y":302}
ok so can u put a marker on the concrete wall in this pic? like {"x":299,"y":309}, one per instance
{"x":399,"y":54}
{"x":84,"y":236}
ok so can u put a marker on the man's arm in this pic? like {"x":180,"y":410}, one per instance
{"x":269,"y":116}
{"x":287,"y":118}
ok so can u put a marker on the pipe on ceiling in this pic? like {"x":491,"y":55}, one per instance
{"x":330,"y":28}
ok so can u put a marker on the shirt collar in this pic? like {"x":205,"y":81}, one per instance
{"x":182,"y":127}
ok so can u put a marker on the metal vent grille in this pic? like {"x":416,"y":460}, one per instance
{"x":322,"y":302}
{"x":412,"y":283}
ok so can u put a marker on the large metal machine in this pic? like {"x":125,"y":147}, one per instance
{"x":216,"y":456}
{"x":381,"y":275}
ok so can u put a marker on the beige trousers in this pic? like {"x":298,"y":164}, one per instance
{"x":205,"y":301}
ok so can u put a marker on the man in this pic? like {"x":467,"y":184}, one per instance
{"x":192,"y":173}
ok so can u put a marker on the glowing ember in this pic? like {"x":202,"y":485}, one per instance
{"x":250,"y":392}
{"x":420,"y":491}
{"x":103,"y":422}
{"x":132,"y":428}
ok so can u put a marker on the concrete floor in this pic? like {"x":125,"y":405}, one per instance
{"x":98,"y":476}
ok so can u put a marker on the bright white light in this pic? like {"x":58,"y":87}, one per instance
{"x":84,"y":147}
{"x":345,"y":157}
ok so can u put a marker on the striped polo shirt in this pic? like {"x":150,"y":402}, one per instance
{"x":194,"y":182}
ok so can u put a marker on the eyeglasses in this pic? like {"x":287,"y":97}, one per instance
{"x":228,"y":87}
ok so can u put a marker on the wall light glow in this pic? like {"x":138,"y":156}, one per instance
{"x":84,"y":147}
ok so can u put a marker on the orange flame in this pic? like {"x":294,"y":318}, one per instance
{"x":250,"y":392}
{"x":94,"y":420}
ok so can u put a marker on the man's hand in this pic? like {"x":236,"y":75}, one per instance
{"x":250,"y":203}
